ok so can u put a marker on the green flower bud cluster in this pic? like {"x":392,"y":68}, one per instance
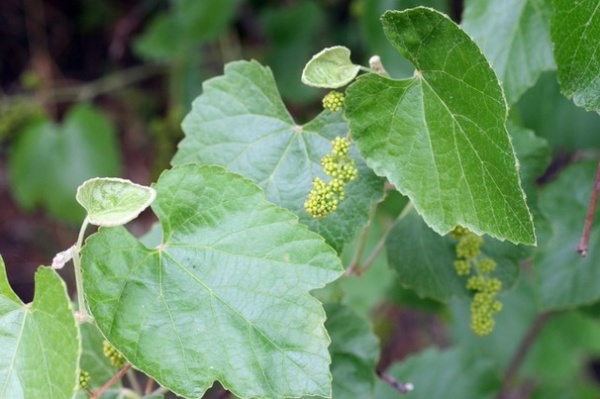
{"x":115,"y":357}
{"x":470,"y":263}
{"x":333,"y":101}
{"x":324,"y":198}
{"x":84,"y":380}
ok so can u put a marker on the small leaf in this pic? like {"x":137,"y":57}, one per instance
{"x":515,"y":37}
{"x":565,"y":278}
{"x":330,"y":68}
{"x":224,"y":297}
{"x":110,"y":201}
{"x":440,"y":136}
{"x":49,"y":161}
{"x":424,"y":260}
{"x":240,"y":122}
{"x":575,"y":30}
{"x":39,"y":342}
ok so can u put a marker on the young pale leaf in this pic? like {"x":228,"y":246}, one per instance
{"x":49,"y":161}
{"x":439,"y":137}
{"x":241,"y":123}
{"x":39,"y":342}
{"x":424,"y":260}
{"x":451,"y":374}
{"x":224,"y":297}
{"x":330,"y":68}
{"x":565,"y":278}
{"x":515,"y":37}
{"x":110,"y":201}
{"x":575,"y":31}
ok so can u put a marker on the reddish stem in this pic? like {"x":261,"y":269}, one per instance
{"x":111,"y":382}
{"x":399,"y":386}
{"x":582,"y":248}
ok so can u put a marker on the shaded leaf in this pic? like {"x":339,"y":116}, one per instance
{"x":565,"y":278}
{"x":49,"y":161}
{"x":575,"y":30}
{"x":515,"y":36}
{"x":424,"y":260}
{"x":39,"y":342}
{"x":450,"y":375}
{"x":330,"y":68}
{"x":354,"y":351}
{"x":224,"y":297}
{"x":439,"y":137}
{"x":113,"y":201}
{"x":241,"y":123}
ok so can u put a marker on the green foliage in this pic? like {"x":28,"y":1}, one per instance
{"x":515,"y":37}
{"x":432,"y":132}
{"x":426,"y":188}
{"x":577,"y":53}
{"x":331,"y":68}
{"x":39,"y":345}
{"x":49,"y":161}
{"x":233,"y":272}
{"x":240,"y":122}
{"x":437,"y":374}
{"x":113,"y":201}
{"x":564,"y":276}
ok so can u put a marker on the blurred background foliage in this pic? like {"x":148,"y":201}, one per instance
{"x":99,"y":88}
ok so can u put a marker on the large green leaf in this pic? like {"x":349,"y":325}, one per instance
{"x":39,"y":342}
{"x":241,"y":123}
{"x":515,"y":37}
{"x":223,"y":297}
{"x":565,"y":278}
{"x":450,"y":375}
{"x":49,"y":161}
{"x":439,"y":136}
{"x":424,"y":260}
{"x":575,"y":32}
{"x":354,"y":352}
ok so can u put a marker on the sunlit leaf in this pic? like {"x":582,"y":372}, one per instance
{"x":224,"y":297}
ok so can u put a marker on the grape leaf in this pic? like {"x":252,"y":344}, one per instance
{"x":241,"y":123}
{"x":515,"y":37}
{"x":451,"y":374}
{"x":565,"y":278}
{"x":110,"y":201}
{"x":354,"y":352}
{"x":424,"y":260}
{"x":439,"y":136}
{"x":39,"y":342}
{"x":49,"y":161}
{"x":330,"y":68}
{"x":575,"y":29}
{"x":223,"y":297}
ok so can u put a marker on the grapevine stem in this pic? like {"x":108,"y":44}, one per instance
{"x":81,"y":306}
{"x":521,"y":353}
{"x":402,"y":387}
{"x":360,"y":245}
{"x":582,"y":248}
{"x":110,"y":382}
{"x":133,"y":380}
